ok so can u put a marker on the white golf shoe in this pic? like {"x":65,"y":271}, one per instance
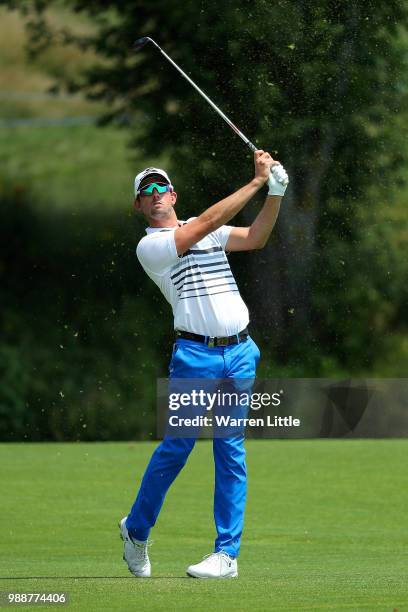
{"x":215,"y":565}
{"x":135,"y":553}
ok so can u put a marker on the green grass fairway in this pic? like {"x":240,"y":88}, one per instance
{"x":326,"y":527}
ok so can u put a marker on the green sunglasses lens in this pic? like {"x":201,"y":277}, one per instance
{"x":149,"y":189}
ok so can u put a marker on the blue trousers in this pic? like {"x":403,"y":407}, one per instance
{"x":192,"y":359}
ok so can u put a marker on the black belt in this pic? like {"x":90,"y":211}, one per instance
{"x":211,"y":341}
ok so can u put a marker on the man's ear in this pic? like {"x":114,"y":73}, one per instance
{"x":174,"y":198}
{"x":136,"y":203}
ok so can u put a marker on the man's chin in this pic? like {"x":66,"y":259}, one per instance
{"x":160,"y":214}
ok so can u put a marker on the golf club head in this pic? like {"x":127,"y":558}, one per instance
{"x":141,"y":42}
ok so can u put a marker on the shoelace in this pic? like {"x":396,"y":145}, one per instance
{"x":216,"y":556}
{"x":141,"y":549}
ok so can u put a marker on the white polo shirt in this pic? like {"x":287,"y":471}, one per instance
{"x":199,"y":284}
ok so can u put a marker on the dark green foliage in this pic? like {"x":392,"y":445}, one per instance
{"x":78,"y":358}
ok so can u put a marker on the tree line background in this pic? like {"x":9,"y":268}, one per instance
{"x":323,"y":86}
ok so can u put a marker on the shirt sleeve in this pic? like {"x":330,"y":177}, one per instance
{"x":157,"y":252}
{"x":222,"y":234}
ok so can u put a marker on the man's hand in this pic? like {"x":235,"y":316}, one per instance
{"x":278,"y":180}
{"x":263,"y":162}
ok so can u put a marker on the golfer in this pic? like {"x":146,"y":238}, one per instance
{"x":187,"y":260}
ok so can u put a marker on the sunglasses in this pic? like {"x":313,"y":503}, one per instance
{"x":161,"y":188}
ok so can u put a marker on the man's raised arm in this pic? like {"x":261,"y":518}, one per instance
{"x":223,"y":211}
{"x":256,"y":235}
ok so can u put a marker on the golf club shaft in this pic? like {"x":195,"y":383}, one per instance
{"x":226,"y":119}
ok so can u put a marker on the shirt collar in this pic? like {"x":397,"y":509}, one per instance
{"x":150,"y":230}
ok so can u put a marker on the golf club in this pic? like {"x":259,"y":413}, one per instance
{"x":141,"y":42}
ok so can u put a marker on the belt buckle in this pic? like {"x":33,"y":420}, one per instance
{"x":211,"y":342}
{"x":223,"y":341}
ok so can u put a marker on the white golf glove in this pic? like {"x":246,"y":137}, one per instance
{"x":278,"y":180}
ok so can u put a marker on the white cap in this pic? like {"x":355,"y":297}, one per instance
{"x":139,"y":177}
